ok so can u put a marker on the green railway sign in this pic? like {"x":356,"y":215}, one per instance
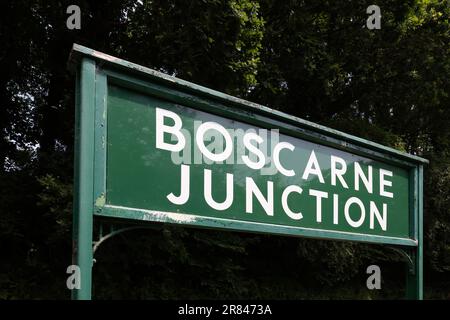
{"x":154,"y":148}
{"x":172,"y":163}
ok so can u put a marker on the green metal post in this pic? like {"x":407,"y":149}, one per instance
{"x":84,"y":178}
{"x":414,"y":278}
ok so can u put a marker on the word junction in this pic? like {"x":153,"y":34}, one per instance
{"x":355,"y":210}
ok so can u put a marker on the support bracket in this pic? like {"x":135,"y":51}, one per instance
{"x":408,"y":256}
{"x":114,"y":230}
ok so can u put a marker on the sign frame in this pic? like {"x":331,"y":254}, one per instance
{"x":95,"y":70}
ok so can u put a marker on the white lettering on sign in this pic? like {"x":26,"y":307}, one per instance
{"x":313,"y":168}
{"x":248,"y":137}
{"x":276,"y":158}
{"x":384,"y":183}
{"x":284,"y":201}
{"x":362,"y":178}
{"x":161,"y":128}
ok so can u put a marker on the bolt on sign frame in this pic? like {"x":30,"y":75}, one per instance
{"x":120,"y":174}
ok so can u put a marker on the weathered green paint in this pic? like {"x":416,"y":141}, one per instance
{"x":139,"y":176}
{"x":414,"y":278}
{"x":84,"y":178}
{"x":135,"y":73}
{"x":131,"y":178}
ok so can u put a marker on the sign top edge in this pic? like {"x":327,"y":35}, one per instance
{"x":78,"y":51}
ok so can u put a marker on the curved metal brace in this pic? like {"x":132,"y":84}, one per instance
{"x":409,"y":259}
{"x":112,"y":233}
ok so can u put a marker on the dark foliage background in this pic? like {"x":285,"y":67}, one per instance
{"x":312,"y":59}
